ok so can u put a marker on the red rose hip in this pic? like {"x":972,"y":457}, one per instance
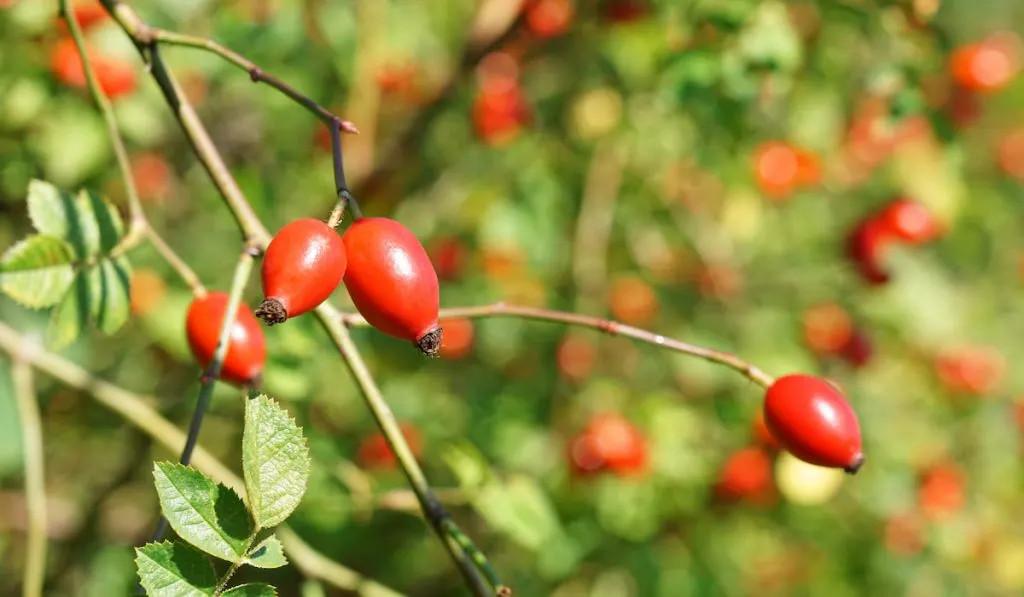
{"x":303,"y":265}
{"x":392,"y":282}
{"x":247,"y":348}
{"x":811,"y":419}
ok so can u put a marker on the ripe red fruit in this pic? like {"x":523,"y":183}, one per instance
{"x":910,"y":221}
{"x":858,"y":349}
{"x":781,"y":168}
{"x":303,"y":265}
{"x":448,"y":255}
{"x":620,"y":444}
{"x":392,"y":282}
{"x":747,"y":474}
{"x":811,"y":419}
{"x":375,"y":453}
{"x":247,"y":349}
{"x":116,"y":77}
{"x":575,"y":356}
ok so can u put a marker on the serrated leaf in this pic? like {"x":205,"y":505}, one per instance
{"x":112,"y":305}
{"x":269,"y":553}
{"x":37,"y":271}
{"x":49,"y":208}
{"x":207,"y":514}
{"x":255,"y":589}
{"x":71,"y":316}
{"x":174,"y":569}
{"x":275,"y":461}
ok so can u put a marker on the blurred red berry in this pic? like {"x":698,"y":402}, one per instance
{"x":624,"y":11}
{"x":609,"y":442}
{"x":457,"y":340}
{"x":971,"y":369}
{"x":375,"y":453}
{"x":827,"y":328}
{"x":499,"y":115}
{"x":910,"y":221}
{"x":986,"y":66}
{"x":152,"y":175}
{"x":865,"y":247}
{"x":87,"y":13}
{"x":576,"y":356}
{"x":448,"y":255}
{"x":746,"y":475}
{"x":941,"y":492}
{"x":116,"y":77}
{"x":777,"y":169}
{"x":762,"y":435}
{"x":549,"y":18}
{"x":1010,"y":153}
{"x":633,"y":301}
{"x":904,"y":535}
{"x":858,"y":349}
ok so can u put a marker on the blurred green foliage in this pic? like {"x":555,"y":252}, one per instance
{"x":638,"y":162}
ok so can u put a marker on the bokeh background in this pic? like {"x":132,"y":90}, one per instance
{"x":697,"y":168}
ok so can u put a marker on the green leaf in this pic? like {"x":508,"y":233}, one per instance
{"x":521,"y":509}
{"x":206,"y":514}
{"x":174,"y":569}
{"x":37,"y":271}
{"x":49,"y":208}
{"x":71,"y":316}
{"x":89,"y":224}
{"x":269,"y":553}
{"x":256,"y":589}
{"x":275,"y":461}
{"x":112,"y":305}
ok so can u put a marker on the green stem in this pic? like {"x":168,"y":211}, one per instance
{"x":134,"y":205}
{"x":612,"y":328}
{"x":224,"y":580}
{"x":136,"y":410}
{"x":242,"y":273}
{"x":464,"y":553}
{"x":35,"y":484}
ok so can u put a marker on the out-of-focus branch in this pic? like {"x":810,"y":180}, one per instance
{"x":136,"y":410}
{"x":35,"y":482}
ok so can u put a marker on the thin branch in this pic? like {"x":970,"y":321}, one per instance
{"x":594,"y":227}
{"x":138,"y":219}
{"x":187,"y":275}
{"x":136,"y":410}
{"x":242,"y":272}
{"x":35,"y":483}
{"x":612,"y":328}
{"x":464,"y":554}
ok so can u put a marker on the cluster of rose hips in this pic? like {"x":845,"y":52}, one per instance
{"x":382,"y":264}
{"x":902,"y":221}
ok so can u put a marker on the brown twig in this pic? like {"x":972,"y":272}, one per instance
{"x":607,"y":326}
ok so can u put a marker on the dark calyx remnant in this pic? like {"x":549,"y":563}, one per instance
{"x":430,"y":343}
{"x":272,"y":312}
{"x":855,"y":465}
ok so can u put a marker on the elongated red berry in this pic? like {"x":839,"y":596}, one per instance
{"x":910,"y":221}
{"x":247,"y":349}
{"x":811,"y":419}
{"x":392,"y":282}
{"x":303,"y":265}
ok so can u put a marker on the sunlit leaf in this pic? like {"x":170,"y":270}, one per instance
{"x":206,"y":514}
{"x":37,"y":271}
{"x":256,"y":589}
{"x":275,"y":461}
{"x":174,"y":569}
{"x":269,"y":553}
